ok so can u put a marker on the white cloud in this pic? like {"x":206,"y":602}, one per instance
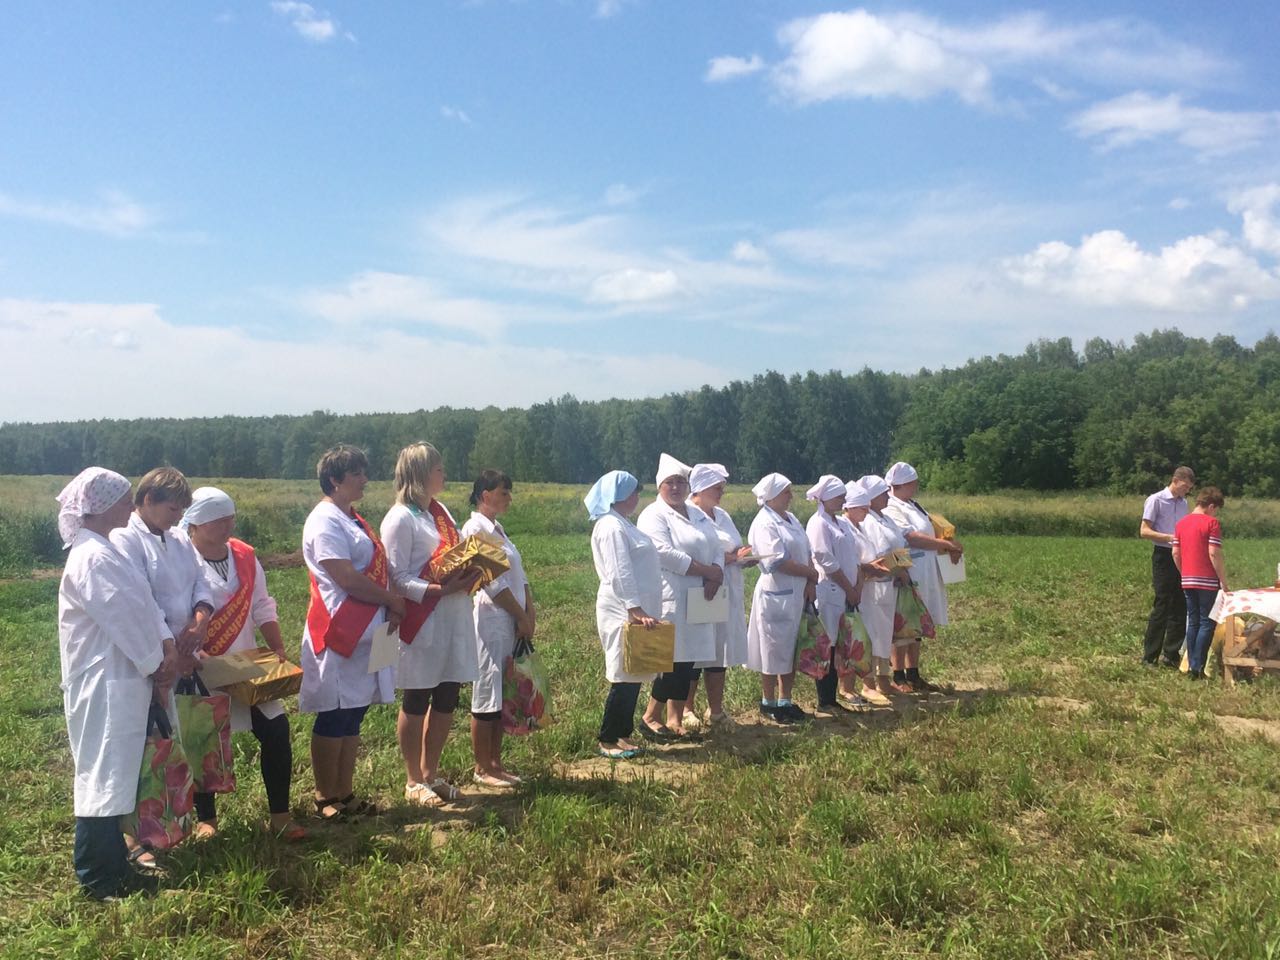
{"x":606,"y":9}
{"x":454,"y":113}
{"x":720,"y":69}
{"x":116,"y":213}
{"x":395,"y":370}
{"x":856,"y":54}
{"x":308,"y":22}
{"x":375,"y":297}
{"x":621,"y":195}
{"x":1179,"y":203}
{"x":1139,"y":116}
{"x":632,"y":286}
{"x":744,"y":251}
{"x":1207,"y":272}
{"x":859,"y":55}
{"x":1256,"y":207}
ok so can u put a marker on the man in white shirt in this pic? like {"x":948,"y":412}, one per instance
{"x":1167,"y":625}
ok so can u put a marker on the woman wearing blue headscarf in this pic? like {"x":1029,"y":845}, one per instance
{"x":630,"y":587}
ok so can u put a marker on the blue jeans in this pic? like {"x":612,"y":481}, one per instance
{"x":1199,"y":627}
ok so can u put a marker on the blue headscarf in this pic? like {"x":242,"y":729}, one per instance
{"x":613,"y":486}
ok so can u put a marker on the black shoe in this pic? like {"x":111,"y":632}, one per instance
{"x":921,"y":685}
{"x":1195,"y":674}
{"x":778,"y":715}
{"x":797,"y":715}
{"x":1171,"y":664}
{"x":658,"y":734}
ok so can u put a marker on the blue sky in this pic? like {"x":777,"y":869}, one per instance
{"x":264,"y":207}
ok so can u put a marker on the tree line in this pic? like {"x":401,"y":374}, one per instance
{"x":1114,"y":416}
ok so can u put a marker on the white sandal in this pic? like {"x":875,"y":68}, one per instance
{"x":422,"y":795}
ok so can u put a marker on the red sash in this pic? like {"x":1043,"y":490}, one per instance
{"x":343,"y":630}
{"x":415,"y":614}
{"x":226,"y":624}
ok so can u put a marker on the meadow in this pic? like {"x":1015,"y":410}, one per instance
{"x":1058,"y":801}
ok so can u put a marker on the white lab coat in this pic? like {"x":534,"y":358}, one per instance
{"x":626,"y":562}
{"x":680,"y":541}
{"x":495,"y":628}
{"x":170,"y":565}
{"x":910,"y":516}
{"x":111,"y":641}
{"x":835,"y":549}
{"x":331,"y":681}
{"x":879,"y":596}
{"x":731,"y":636}
{"x":444,"y":648}
{"x":262,"y":610}
{"x":778,"y":601}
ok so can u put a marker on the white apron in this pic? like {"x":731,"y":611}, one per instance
{"x":835,"y":549}
{"x":262,"y":610}
{"x":626,"y":562}
{"x":680,"y":540}
{"x":495,"y":628}
{"x":731,"y":636}
{"x":444,"y":648}
{"x":778,"y":601}
{"x":110,"y":639}
{"x":910,"y":516}
{"x":329,"y":680}
{"x":879,"y":596}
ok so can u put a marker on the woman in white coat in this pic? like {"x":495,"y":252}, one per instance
{"x":114,"y":647}
{"x":706,"y":488}
{"x":787,"y":582}
{"x":241,"y":606}
{"x":438,"y":633}
{"x":626,"y":562}
{"x":350,"y":599}
{"x":925,"y":549}
{"x":837,"y":555}
{"x":503,"y":614}
{"x":690,"y":558}
{"x":863,"y":506}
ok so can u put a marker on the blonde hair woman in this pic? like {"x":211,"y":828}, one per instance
{"x":437,"y":634}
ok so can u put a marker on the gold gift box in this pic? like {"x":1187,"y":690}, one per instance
{"x":899,"y":559}
{"x":479,"y":552}
{"x":648,"y":650}
{"x":943,"y":528}
{"x":279,"y":679}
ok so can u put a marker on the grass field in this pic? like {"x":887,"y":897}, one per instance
{"x":1061,"y":802}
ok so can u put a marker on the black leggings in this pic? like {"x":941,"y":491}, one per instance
{"x":673,"y":685}
{"x":696,"y":672}
{"x":619,"y":712}
{"x":443,"y":697}
{"x":275,"y":758}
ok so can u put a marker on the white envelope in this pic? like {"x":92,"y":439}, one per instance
{"x":951,"y":572}
{"x":386,"y":647}
{"x":702,"y":610}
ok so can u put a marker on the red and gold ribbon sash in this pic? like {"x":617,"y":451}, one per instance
{"x":416,"y":613}
{"x":343,"y":629}
{"x":226,"y":624}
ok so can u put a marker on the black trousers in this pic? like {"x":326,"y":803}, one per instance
{"x":828,"y":685}
{"x":1167,"y":625}
{"x":619,"y":712}
{"x":100,"y":857}
{"x":275,"y":758}
{"x":673,"y":685}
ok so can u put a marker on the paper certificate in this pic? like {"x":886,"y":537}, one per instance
{"x":951,"y":572}
{"x":386,"y":647}
{"x":702,"y":610}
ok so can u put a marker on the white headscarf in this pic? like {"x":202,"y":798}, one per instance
{"x":901,"y":473}
{"x":94,"y":490}
{"x":207,"y":504}
{"x":613,"y":486}
{"x":669,"y":466}
{"x":874,"y":485}
{"x":828,"y":487}
{"x":769,"y":487}
{"x":704,"y":475}
{"x":855,"y":495}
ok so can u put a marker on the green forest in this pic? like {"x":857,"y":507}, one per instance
{"x":1113,"y":416}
